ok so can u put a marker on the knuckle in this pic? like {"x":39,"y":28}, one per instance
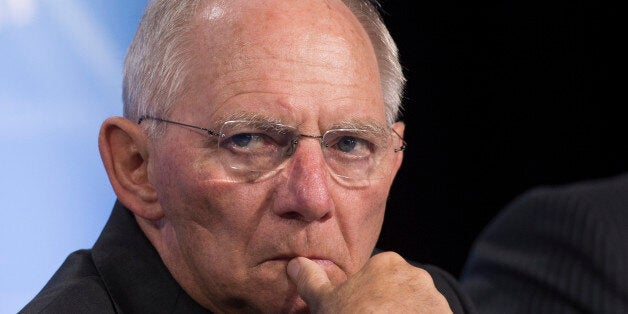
{"x":392,"y":264}
{"x":437,"y":301}
{"x":388,"y":258}
{"x":423,"y":276}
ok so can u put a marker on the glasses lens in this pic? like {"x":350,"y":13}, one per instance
{"x":248,"y":146}
{"x":250,"y":150}
{"x":355,"y":154}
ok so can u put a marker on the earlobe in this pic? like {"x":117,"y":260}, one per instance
{"x":124,"y":152}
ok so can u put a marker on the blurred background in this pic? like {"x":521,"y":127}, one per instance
{"x":502,"y":96}
{"x":60,"y":77}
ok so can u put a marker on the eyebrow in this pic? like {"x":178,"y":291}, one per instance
{"x":369,"y":125}
{"x":264,"y":120}
{"x":254,"y":118}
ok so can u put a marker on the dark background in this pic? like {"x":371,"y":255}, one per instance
{"x":501,"y":97}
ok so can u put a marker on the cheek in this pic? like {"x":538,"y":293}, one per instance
{"x":202,"y":211}
{"x":182,"y":178}
{"x":364,"y":205}
{"x":213,"y":224}
{"x":225,"y":211}
{"x":361,"y":221}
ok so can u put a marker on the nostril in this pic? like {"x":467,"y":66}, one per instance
{"x":291,"y":216}
{"x":325,"y":217}
{"x":297,"y":215}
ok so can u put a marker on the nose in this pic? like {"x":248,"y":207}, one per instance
{"x":305,"y":195}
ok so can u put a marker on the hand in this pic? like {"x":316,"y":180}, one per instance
{"x":387,"y":283}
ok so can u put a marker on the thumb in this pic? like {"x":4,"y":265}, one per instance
{"x":311,"y":280}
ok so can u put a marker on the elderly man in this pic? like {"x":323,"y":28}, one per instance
{"x":252,"y":168}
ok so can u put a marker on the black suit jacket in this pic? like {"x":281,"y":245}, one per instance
{"x":555,"y":250}
{"x":123,"y":273}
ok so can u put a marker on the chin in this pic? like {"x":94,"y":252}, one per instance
{"x":269,"y":291}
{"x":296,"y":306}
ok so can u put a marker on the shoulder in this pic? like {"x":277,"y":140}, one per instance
{"x":555,"y":247}
{"x":605,"y":195}
{"x":585,"y":213}
{"x":75,"y":288}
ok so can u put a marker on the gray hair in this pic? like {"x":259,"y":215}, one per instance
{"x":159,"y":58}
{"x":390,"y":71}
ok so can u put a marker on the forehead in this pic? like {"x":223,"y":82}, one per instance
{"x":265,"y":18}
{"x":264,"y":55}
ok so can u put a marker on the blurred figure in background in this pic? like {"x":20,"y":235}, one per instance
{"x":555,"y":250}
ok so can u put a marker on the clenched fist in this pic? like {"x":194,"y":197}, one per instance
{"x":387,"y":283}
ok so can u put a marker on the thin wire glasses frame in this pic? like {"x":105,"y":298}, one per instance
{"x":353,"y":159}
{"x":214,"y":133}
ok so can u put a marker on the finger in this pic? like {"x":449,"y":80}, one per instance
{"x":310,"y":278}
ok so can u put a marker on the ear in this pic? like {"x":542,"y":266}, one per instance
{"x":399,"y":128}
{"x":124,"y":151}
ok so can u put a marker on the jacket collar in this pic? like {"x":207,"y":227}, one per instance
{"x":132,"y":270}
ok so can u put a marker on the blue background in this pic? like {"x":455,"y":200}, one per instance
{"x":60,"y":77}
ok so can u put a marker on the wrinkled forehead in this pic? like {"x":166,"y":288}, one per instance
{"x":233,"y":26}
{"x":263,"y":15}
{"x":254,"y":45}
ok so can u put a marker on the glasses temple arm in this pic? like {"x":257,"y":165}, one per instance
{"x":145,"y":117}
{"x":403,"y":146}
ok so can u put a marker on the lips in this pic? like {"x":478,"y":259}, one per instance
{"x":323,"y":262}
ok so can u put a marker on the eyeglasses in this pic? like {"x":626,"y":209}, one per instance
{"x":250,"y":149}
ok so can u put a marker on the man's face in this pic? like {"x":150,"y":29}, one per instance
{"x":307,"y":64}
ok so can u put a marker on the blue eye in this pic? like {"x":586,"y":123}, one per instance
{"x":242,"y":140}
{"x":347,"y":144}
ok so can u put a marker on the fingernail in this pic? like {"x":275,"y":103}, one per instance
{"x":293,"y":268}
